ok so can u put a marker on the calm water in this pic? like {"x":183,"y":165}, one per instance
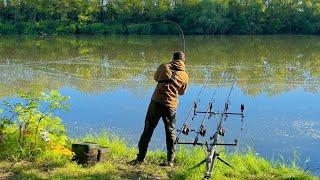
{"x":109,"y":81}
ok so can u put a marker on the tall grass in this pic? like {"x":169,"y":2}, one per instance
{"x":246,"y":165}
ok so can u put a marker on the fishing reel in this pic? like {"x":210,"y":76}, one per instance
{"x":185,"y":129}
{"x":242,"y":109}
{"x":202,"y":130}
{"x":221,"y":132}
{"x":226,"y":106}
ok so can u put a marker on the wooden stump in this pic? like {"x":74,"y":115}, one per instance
{"x":88,"y":153}
{"x":103,"y":154}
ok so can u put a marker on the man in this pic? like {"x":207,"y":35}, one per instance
{"x":172,"y":81}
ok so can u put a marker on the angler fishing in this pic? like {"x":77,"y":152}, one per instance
{"x":172,"y":81}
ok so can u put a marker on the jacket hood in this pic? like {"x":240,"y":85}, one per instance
{"x":178,"y":65}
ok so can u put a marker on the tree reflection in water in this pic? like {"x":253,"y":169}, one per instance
{"x":261,"y":64}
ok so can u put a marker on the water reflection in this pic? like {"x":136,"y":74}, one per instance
{"x":261,"y":64}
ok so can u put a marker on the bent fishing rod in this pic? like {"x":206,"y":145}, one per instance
{"x":183,"y":42}
{"x":211,"y":145}
{"x":181,"y":34}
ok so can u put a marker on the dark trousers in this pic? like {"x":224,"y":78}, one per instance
{"x":155,"y":112}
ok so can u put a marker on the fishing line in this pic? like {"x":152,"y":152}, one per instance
{"x":228,"y":99}
{"x":224,"y":115}
{"x":207,"y":115}
{"x":181,"y":34}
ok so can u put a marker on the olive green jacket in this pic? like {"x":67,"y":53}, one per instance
{"x":172,"y":81}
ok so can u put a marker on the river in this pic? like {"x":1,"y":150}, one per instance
{"x":109,"y":81}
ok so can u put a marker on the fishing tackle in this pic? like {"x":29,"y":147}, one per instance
{"x":183,"y":42}
{"x":211,"y":145}
{"x":222,"y":132}
{"x":202,"y":130}
{"x":185,"y":129}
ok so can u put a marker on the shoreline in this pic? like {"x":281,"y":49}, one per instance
{"x":247,"y":165}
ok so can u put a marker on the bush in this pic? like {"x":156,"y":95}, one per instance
{"x":28,"y":28}
{"x":27,"y":131}
{"x":66,"y":28}
{"x":139,"y":29}
{"x":7,"y":28}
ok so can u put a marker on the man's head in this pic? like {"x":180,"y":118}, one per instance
{"x":178,"y":55}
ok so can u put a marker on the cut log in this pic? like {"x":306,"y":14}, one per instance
{"x":89,"y":153}
{"x":103,"y":154}
{"x":86,"y":153}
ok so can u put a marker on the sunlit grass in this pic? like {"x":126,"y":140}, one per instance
{"x":246,"y":165}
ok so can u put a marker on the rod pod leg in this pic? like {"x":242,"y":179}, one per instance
{"x":197,"y":165}
{"x":211,"y":158}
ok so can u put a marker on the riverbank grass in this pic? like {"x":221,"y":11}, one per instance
{"x":246,"y":165}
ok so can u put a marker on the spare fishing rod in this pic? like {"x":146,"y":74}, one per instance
{"x":202,"y":130}
{"x":212,"y":148}
{"x":211,"y":145}
{"x":213,"y":155}
{"x":185,"y":128}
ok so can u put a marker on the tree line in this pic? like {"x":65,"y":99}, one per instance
{"x":204,"y":17}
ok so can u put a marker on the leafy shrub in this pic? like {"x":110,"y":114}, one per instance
{"x":28,"y":28}
{"x":139,"y":29}
{"x":28,"y":127}
{"x":66,"y":28}
{"x":7,"y":28}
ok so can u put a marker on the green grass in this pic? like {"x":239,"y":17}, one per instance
{"x":247,"y":166}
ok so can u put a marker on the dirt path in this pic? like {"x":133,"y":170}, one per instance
{"x":143,"y":171}
{"x":122,"y":170}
